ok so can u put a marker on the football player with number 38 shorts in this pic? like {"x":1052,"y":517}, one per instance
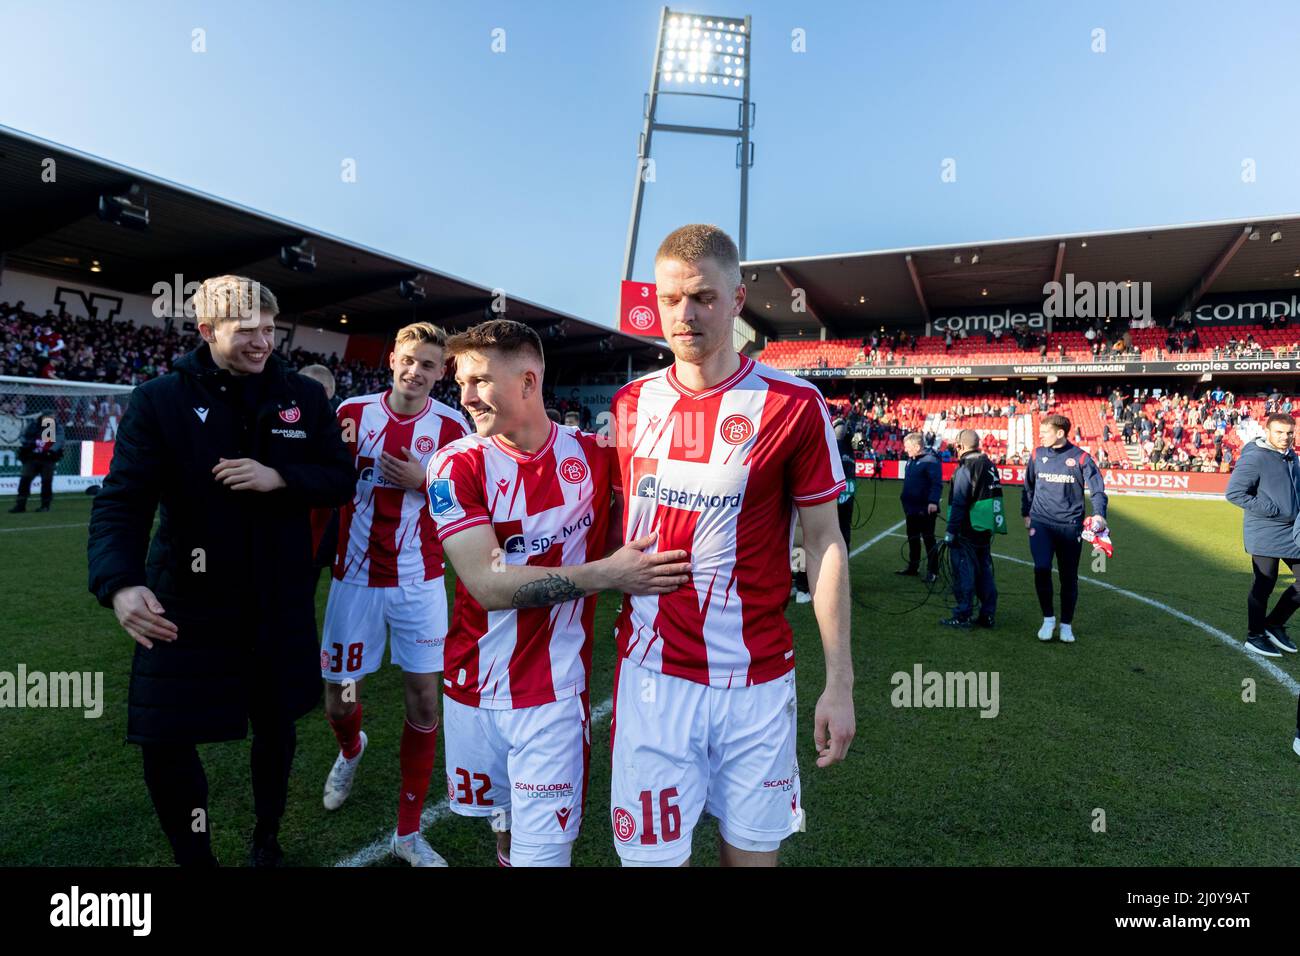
{"x":523,"y":508}
{"x":388,"y":576}
{"x":715,"y":454}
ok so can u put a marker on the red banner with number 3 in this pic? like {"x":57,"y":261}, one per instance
{"x":638,"y":309}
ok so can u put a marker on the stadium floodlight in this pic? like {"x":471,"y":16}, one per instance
{"x":298,"y":256}
{"x":703,"y":56}
{"x":410,"y":290}
{"x":1275,"y":235}
{"x":130,"y":209}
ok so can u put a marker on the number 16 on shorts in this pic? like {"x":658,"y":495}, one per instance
{"x":661,"y":819}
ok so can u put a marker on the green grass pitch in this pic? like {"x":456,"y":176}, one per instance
{"x":1143,"y":718}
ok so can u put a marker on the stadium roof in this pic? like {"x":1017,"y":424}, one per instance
{"x":851,"y":293}
{"x":53,"y":230}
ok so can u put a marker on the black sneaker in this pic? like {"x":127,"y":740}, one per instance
{"x":266,"y":852}
{"x":955,"y":621}
{"x":907,"y":574}
{"x":931,"y":578}
{"x":1261,"y":645}
{"x":983,"y":621}
{"x":17,"y":509}
{"x":1280,"y":639}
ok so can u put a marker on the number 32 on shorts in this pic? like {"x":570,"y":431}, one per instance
{"x":669,"y":824}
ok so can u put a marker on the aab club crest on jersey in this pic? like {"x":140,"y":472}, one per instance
{"x":624,"y":825}
{"x":736,"y":429}
{"x":290,"y":415}
{"x":573,"y":470}
{"x":424,"y":444}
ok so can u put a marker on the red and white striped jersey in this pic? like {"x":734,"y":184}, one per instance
{"x":547,"y":509}
{"x":717,"y":473}
{"x":386,"y":536}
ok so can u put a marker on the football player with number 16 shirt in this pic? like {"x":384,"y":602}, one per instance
{"x":715,"y":454}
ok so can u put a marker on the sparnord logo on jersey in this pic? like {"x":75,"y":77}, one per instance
{"x":650,"y":487}
{"x":75,"y":909}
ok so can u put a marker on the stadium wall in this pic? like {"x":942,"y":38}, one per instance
{"x":85,"y":301}
{"x":1118,"y":481}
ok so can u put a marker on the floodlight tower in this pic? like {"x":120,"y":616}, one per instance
{"x":700,"y":56}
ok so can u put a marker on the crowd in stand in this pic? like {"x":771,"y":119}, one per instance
{"x":67,"y":348}
{"x":1166,"y":431}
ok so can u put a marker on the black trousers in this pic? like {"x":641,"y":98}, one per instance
{"x":31,"y":469}
{"x":179,"y":787}
{"x":920,"y":528}
{"x":1257,"y":612}
{"x":1062,"y":542}
{"x":972,"y":576}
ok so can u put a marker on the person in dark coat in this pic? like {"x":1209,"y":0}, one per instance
{"x":845,"y":502}
{"x":1266,"y":486}
{"x":39,"y":450}
{"x":922,"y":488}
{"x":970,"y":550}
{"x":233,"y":451}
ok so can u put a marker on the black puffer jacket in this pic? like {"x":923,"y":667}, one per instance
{"x":232,"y":569}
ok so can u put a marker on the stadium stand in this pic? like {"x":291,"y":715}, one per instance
{"x":1095,"y":343}
{"x":63,"y":347}
{"x":1183,"y":433}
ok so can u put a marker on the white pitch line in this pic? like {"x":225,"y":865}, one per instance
{"x":45,"y":527}
{"x":377,"y":850}
{"x":1282,"y":677}
{"x":884,"y":534}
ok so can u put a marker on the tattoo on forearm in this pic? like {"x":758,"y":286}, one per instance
{"x":552,"y":589}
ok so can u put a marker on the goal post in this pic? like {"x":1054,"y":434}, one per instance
{"x":87,"y":414}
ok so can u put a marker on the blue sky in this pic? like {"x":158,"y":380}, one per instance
{"x":515,"y":169}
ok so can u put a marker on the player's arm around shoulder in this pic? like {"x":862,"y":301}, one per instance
{"x":828,"y":579}
{"x":498,"y":585}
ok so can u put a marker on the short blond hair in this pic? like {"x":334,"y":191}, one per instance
{"x":233,"y":297}
{"x":319,"y":373}
{"x":697,"y":241}
{"x":914,"y":438}
{"x":421,"y":333}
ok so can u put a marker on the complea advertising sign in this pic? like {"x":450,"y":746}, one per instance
{"x":1247,"y":308}
{"x":1008,"y":320}
{"x":1227,"y":366}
